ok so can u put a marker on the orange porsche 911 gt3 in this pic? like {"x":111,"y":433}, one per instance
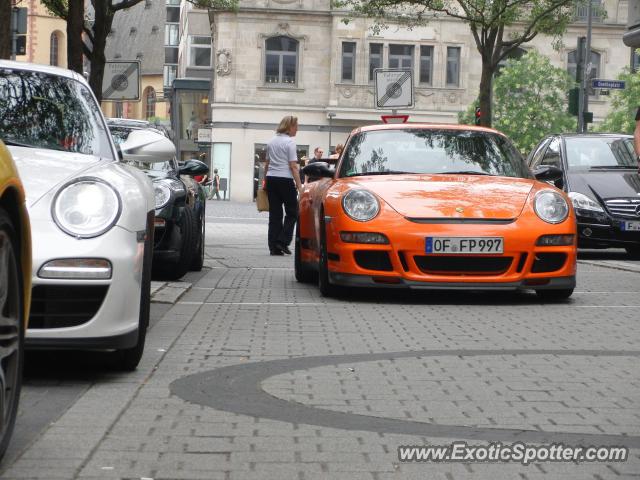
{"x":435,"y":207}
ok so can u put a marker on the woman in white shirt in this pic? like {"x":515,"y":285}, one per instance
{"x":282,"y":183}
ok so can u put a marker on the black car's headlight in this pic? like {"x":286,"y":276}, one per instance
{"x":86,"y":207}
{"x":582,"y":202}
{"x":361,"y":205}
{"x":550,"y":206}
{"x":163,"y":189}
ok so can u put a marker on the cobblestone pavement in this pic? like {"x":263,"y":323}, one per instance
{"x":251,"y":375}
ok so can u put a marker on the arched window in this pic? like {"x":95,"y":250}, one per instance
{"x":150,"y":103}
{"x":595,"y":68}
{"x":281,"y":60}
{"x":54,"y":49}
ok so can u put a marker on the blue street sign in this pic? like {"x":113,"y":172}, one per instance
{"x":607,"y":84}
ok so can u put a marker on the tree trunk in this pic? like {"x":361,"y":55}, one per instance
{"x":486,"y":87}
{"x":101,"y":28}
{"x":75,"y":22}
{"x":5,"y":26}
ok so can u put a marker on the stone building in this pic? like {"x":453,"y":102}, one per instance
{"x":278,"y":57}
{"x":46,"y":39}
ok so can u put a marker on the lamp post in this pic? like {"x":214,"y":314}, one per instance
{"x":330,"y":115}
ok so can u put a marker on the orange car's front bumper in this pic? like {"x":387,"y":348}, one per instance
{"x":404,"y":262}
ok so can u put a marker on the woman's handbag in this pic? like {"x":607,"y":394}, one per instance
{"x":262,"y":200}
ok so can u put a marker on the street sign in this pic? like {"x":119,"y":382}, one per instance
{"x":121,"y":81}
{"x":394,"y":118}
{"x":205,"y":135}
{"x":394,"y":88}
{"x":608,"y":84}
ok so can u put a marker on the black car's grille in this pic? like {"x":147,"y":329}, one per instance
{"x":58,"y":306}
{"x":462,"y":265}
{"x":624,"y":207}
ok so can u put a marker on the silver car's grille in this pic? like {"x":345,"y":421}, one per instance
{"x":624,"y":207}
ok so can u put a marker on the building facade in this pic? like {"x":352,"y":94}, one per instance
{"x":139,"y":33}
{"x":280,"y":57}
{"x":46,"y":40}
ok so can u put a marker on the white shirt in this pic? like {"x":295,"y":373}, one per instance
{"x":281,"y":150}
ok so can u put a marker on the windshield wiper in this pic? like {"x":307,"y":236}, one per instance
{"x":613,"y":167}
{"x":387,"y":172}
{"x":466,"y":172}
{"x":16,"y":144}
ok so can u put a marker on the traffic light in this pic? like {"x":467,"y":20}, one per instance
{"x":478,"y":115}
{"x":574,"y":93}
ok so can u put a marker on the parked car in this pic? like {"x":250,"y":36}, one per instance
{"x":179,"y":206}
{"x":600,"y":174}
{"x":15,"y":291}
{"x":91,"y":215}
{"x":434,"y":206}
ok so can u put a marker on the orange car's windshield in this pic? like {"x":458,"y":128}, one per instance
{"x":431,"y":151}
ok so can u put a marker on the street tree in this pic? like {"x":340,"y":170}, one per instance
{"x":624,"y":104}
{"x":90,"y":38}
{"x":499,"y":27}
{"x":530,"y":101}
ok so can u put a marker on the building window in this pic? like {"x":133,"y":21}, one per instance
{"x":173,"y":14}
{"x":595,"y":69}
{"x":171,"y":34}
{"x":150,"y":103}
{"x":375,"y":59}
{"x":200,"y":51}
{"x":401,"y":56}
{"x":635,"y":60}
{"x":348,"y":61}
{"x":169,"y":74}
{"x":171,"y":55}
{"x":54,"y":48}
{"x":426,"y":64}
{"x":281,"y":60}
{"x":453,"y":67}
{"x":581,"y":14}
{"x":119,"y":110}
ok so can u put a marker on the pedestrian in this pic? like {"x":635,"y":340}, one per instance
{"x":338,"y":151}
{"x":317,"y":155}
{"x":282,"y":185}
{"x":636,"y":138}
{"x":215,"y":185}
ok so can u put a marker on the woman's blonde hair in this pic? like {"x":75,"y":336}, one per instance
{"x":339,"y":148}
{"x":286,"y":123}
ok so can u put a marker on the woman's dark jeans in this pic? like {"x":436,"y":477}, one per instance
{"x":281,"y":192}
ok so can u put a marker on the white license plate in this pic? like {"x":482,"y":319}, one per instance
{"x":631,"y":226}
{"x":462,"y":245}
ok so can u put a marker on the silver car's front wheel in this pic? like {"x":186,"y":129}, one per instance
{"x":11,"y":330}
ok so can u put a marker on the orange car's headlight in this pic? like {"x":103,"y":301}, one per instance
{"x":550,"y":206}
{"x":360,"y":205}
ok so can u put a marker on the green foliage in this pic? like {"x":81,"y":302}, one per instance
{"x":218,"y":5}
{"x":624,"y":104}
{"x":529,"y":101}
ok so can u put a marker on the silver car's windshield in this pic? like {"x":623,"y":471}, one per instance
{"x":586,"y":153}
{"x":432,"y":151}
{"x":48,"y":111}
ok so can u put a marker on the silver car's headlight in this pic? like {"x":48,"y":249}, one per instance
{"x":583,"y":202}
{"x":550,"y":206}
{"x":163,"y":189}
{"x":361,"y":205}
{"x":86,"y":207}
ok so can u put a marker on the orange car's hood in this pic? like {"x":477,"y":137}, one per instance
{"x":451,"y":196}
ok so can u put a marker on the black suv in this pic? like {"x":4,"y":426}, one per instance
{"x":179,"y":236}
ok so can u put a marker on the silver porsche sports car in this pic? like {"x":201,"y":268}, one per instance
{"x":91,"y":215}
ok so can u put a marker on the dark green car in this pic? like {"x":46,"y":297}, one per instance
{"x":179,"y":236}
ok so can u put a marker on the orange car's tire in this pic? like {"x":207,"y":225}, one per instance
{"x":303,"y":272}
{"x":555,"y":295}
{"x":11,"y":329}
{"x":327,"y":289}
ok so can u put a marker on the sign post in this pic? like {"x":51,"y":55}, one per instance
{"x":121,"y":81}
